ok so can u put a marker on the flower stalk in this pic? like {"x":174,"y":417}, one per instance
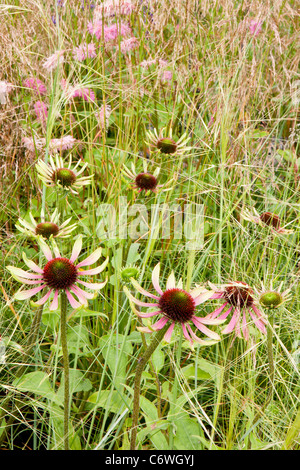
{"x":137,"y":382}
{"x":64,"y":345}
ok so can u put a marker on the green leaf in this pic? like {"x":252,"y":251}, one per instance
{"x":187,"y":434}
{"x":38,"y":383}
{"x":78,"y":383}
{"x":111,"y":401}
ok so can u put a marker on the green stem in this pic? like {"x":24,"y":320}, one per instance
{"x":137,"y":381}
{"x":64,"y":345}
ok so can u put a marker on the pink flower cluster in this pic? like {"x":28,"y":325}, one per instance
{"x":55,"y":145}
{"x":36,"y":85}
{"x":129,"y":44}
{"x":77,"y":92}
{"x":109,"y":33}
{"x":54,"y":60}
{"x":255,"y":27}
{"x":85,"y":51}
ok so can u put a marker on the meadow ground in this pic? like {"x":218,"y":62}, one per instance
{"x":149,"y":191}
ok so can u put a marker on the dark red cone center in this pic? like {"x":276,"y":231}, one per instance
{"x":146,"y":181}
{"x":46,"y":229}
{"x":60,"y":273}
{"x":270,"y":219}
{"x":177,"y":305}
{"x":239,"y":296}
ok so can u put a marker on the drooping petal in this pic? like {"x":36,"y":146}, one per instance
{"x":169,"y":332}
{"x":205,"y":330}
{"x":143,"y":291}
{"x":24,"y":274}
{"x":73,"y":302}
{"x":82,"y":299}
{"x":92,"y":272}
{"x":26,"y":294}
{"x":88,"y":295}
{"x":155,"y":279}
{"x":139,"y":302}
{"x":90,"y":259}
{"x":93,"y":285}
{"x":231,"y":325}
{"x":76,"y":250}
{"x":258,"y":323}
{"x":199,"y":340}
{"x":148,"y":315}
{"x":208,"y":320}
{"x":159,"y":324}
{"x":245,"y":326}
{"x":54,"y":303}
{"x":217,"y":311}
{"x":44,"y":299}
{"x":185,"y":334}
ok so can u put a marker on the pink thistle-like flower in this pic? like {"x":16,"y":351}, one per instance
{"x":176,"y":306}
{"x":255,"y":27}
{"x":54,"y":60}
{"x":59,"y":274}
{"x":145,"y":64}
{"x":77,"y":92}
{"x":265,"y":219}
{"x":85,"y":51}
{"x":41,"y":111}
{"x":240,"y":302}
{"x":66,"y":142}
{"x":109,"y":33}
{"x":166,"y":76}
{"x":128,"y":45}
{"x":35,"y":84}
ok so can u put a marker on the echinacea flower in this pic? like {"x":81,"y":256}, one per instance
{"x":59,"y":274}
{"x":5,"y":89}
{"x":65,"y":176}
{"x":54,"y":60}
{"x":265,"y":219}
{"x":36,"y":85}
{"x":165,"y":143}
{"x":239,"y":301}
{"x":174,"y":305}
{"x":145,"y":181}
{"x":46,"y":228}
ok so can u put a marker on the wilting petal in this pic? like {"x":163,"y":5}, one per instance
{"x":155,"y":279}
{"x":87,"y":295}
{"x":76,"y":250}
{"x":29,"y":293}
{"x":81,"y":298}
{"x":231,"y":325}
{"x":205,"y":330}
{"x":143,"y":291}
{"x":54,"y":303}
{"x":209,"y":321}
{"x":147,"y":315}
{"x":244,"y":326}
{"x":217,"y":311}
{"x":217,"y":295}
{"x":259,"y":314}
{"x":258,"y":323}
{"x":169,"y":332}
{"x":90,"y":259}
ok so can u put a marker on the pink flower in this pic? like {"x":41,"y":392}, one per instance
{"x":36,"y":85}
{"x":77,"y":92}
{"x":176,"y":306}
{"x":41,"y":111}
{"x":54,"y":60}
{"x":59,"y":274}
{"x":129,"y":44}
{"x":85,"y":51}
{"x":239,"y":302}
{"x":111,"y":32}
{"x":166,"y":76}
{"x":55,"y":145}
{"x":114,"y":8}
{"x":255,"y":27}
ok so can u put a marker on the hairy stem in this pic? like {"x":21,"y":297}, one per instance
{"x":64,"y":345}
